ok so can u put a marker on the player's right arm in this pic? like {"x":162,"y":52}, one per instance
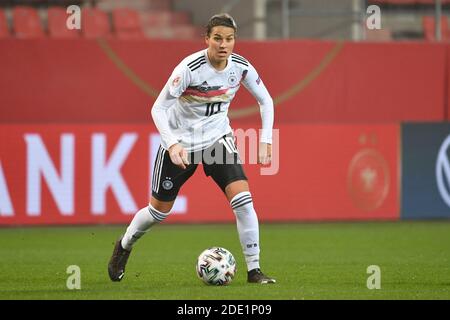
{"x":174,"y":88}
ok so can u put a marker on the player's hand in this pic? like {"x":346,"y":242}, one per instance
{"x":265,"y":153}
{"x":178,"y":155}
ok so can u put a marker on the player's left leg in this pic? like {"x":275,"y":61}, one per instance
{"x":230,"y":177}
{"x":240,"y":198}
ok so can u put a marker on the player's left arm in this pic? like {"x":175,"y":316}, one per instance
{"x":255,"y":85}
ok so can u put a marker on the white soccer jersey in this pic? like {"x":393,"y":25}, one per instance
{"x":192,"y":108}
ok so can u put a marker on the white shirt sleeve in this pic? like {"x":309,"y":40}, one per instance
{"x":179,"y":80}
{"x":254,"y":84}
{"x":174,"y":88}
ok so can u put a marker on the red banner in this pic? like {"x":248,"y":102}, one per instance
{"x":79,"y":174}
{"x":88,"y":81}
{"x":447,"y":83}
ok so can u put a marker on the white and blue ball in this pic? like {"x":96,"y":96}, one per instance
{"x":216,"y":266}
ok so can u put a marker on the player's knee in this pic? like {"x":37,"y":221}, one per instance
{"x":158,"y":216}
{"x":233,"y":189}
{"x":242,"y":202}
{"x":161,"y":206}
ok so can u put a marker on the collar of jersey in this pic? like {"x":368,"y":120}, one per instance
{"x":211,"y":66}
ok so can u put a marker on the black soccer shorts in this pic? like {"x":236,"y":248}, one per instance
{"x":220,"y":161}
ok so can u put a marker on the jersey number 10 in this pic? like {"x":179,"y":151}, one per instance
{"x":212,"y":108}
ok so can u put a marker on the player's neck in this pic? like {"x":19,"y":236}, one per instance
{"x":218,"y":65}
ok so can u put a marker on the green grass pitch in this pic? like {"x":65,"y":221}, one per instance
{"x":309,"y":261}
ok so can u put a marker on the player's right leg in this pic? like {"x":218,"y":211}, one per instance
{"x":166,"y":183}
{"x":142,"y":221}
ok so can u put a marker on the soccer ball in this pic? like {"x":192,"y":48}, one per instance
{"x":216,"y":266}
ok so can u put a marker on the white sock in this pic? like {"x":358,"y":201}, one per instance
{"x":248,"y":228}
{"x":142,"y":221}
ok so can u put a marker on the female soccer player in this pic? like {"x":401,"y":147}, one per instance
{"x":190,"y":114}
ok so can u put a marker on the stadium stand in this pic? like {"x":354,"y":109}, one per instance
{"x":384,"y":34}
{"x":168,"y":24}
{"x":127,"y":24}
{"x":27,"y":23}
{"x":407,"y":2}
{"x":177,"y":18}
{"x":140,"y":5}
{"x":4,"y":30}
{"x":156,"y":19}
{"x":428,"y":23}
{"x":186,"y":32}
{"x":159,"y":4}
{"x":56,"y":18}
{"x":95,"y":24}
{"x":166,"y":19}
{"x":120,"y":19}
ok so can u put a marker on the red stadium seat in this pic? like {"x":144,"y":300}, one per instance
{"x":156,"y":18}
{"x":159,"y":4}
{"x":127,"y":24}
{"x":168,"y":25}
{"x":384,"y":34}
{"x":407,"y":2}
{"x":164,"y":18}
{"x":95,"y":23}
{"x":4,"y":31}
{"x":428,"y":23}
{"x":27,"y":23}
{"x":159,"y":32}
{"x":57,"y":18}
{"x":186,"y":32}
{"x":180,"y":18}
{"x":177,"y":32}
